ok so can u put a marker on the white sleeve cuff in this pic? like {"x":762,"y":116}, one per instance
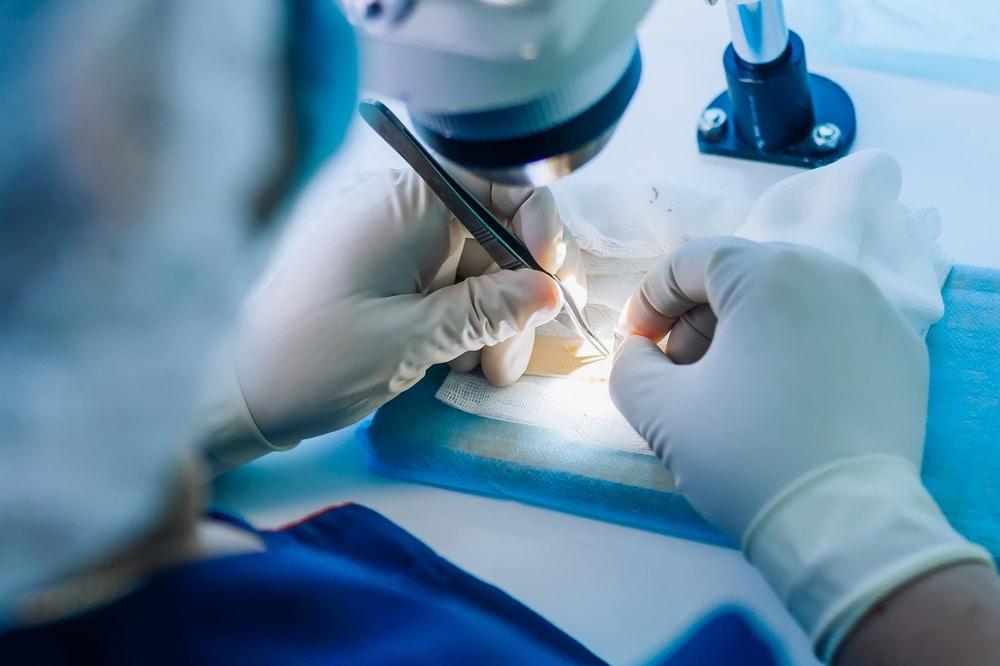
{"x":225,"y":427}
{"x":838,"y":540}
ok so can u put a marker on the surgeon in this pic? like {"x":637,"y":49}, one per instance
{"x":143,"y":143}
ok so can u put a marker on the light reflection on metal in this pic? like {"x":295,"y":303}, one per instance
{"x":760,"y":34}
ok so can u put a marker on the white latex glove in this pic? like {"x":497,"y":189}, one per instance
{"x":366,"y":297}
{"x":800,"y":430}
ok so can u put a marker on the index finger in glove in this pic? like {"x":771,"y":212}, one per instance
{"x":678,"y":284}
{"x":530,"y":213}
{"x":538,"y":224}
{"x":536,"y":221}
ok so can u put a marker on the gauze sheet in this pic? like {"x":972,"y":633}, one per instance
{"x":850,"y":210}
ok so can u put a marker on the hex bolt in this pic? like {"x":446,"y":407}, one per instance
{"x":712,"y":124}
{"x":827,"y":137}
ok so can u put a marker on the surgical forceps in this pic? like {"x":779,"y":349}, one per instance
{"x":499,"y":242}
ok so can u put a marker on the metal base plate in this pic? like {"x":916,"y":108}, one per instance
{"x":831,"y":105}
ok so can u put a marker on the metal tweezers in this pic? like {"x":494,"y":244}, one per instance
{"x":499,"y":242}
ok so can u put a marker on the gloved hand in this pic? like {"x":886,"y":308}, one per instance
{"x":367,"y":296}
{"x":800,"y":430}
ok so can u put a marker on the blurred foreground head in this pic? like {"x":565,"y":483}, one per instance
{"x":137,"y":136}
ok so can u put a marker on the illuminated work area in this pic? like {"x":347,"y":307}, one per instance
{"x":499,"y":331}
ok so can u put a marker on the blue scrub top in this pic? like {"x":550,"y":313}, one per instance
{"x":342,"y":586}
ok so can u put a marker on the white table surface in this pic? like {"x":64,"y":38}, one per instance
{"x":626,"y":593}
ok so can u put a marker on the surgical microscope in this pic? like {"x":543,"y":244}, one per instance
{"x":526,"y":91}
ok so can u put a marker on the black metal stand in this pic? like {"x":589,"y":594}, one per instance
{"x":778,"y":112}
